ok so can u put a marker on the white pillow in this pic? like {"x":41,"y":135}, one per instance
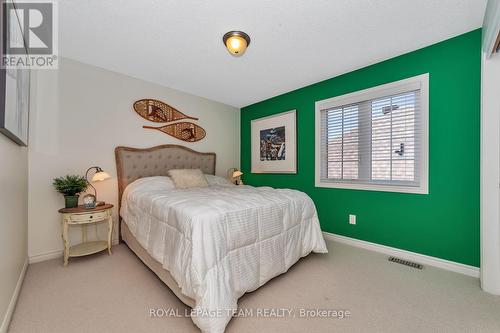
{"x":186,"y":178}
{"x":153,"y":183}
{"x":216,"y":180}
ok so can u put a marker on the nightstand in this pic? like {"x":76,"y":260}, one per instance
{"x":83,"y":217}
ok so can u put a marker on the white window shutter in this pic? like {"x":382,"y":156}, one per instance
{"x":374,"y":138}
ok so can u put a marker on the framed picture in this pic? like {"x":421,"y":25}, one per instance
{"x":14,"y":92}
{"x":274,"y":144}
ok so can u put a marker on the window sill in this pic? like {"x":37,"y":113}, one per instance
{"x":423,"y":189}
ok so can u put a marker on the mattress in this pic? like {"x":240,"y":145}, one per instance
{"x":221,"y":241}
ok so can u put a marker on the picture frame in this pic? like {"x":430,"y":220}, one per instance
{"x":14,"y":91}
{"x":274,"y":143}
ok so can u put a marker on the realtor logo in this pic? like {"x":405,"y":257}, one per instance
{"x":29,"y":34}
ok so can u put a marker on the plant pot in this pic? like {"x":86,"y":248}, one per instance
{"x":71,"y":201}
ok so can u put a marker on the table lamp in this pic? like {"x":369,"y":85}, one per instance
{"x":235,"y":175}
{"x":98,"y":176}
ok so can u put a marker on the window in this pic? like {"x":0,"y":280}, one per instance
{"x":375,"y":139}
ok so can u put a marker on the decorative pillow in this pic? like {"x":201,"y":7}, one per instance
{"x":186,"y":178}
{"x":217,"y":180}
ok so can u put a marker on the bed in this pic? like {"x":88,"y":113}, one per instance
{"x":209,"y":245}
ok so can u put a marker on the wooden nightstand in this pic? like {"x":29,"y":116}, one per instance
{"x":84,"y":217}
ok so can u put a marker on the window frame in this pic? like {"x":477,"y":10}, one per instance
{"x":420,"y":82}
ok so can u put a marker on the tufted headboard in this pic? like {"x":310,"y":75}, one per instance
{"x":135,"y":163}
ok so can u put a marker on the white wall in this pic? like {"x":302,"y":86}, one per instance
{"x":490,"y":153}
{"x":13,"y":223}
{"x":490,"y":175}
{"x":81,"y":114}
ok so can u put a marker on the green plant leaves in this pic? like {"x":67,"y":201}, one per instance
{"x":70,"y":184}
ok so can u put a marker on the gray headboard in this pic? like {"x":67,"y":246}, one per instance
{"x":135,"y":163}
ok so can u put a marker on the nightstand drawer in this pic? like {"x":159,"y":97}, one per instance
{"x":89,"y":217}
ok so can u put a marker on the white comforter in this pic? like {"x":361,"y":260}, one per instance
{"x":219,"y":242}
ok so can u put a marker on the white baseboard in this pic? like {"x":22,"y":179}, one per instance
{"x":417,"y":257}
{"x":45,"y":256}
{"x":13,"y":300}
{"x":52,"y":255}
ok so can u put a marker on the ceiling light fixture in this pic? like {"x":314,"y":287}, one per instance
{"x":236,"y":42}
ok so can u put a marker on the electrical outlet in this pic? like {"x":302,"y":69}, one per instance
{"x":352,"y":219}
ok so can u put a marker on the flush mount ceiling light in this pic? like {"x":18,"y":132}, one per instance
{"x":236,"y":42}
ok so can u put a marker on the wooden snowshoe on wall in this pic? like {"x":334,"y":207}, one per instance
{"x":183,"y":130}
{"x":158,"y":112}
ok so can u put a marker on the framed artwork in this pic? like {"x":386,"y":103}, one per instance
{"x":14,"y":93}
{"x":274,"y":143}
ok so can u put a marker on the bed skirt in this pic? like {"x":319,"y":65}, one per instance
{"x":154,"y":265}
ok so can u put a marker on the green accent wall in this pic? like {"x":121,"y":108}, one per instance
{"x":444,"y":223}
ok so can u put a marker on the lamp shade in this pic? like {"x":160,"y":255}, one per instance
{"x":100,"y":176}
{"x":237,"y":173}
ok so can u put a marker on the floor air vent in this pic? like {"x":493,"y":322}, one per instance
{"x":406,"y":262}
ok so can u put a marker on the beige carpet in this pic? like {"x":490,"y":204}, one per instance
{"x":114,"y":293}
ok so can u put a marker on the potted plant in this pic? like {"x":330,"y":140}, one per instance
{"x":70,"y":186}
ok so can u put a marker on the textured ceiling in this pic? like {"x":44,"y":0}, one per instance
{"x":294,"y":42}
